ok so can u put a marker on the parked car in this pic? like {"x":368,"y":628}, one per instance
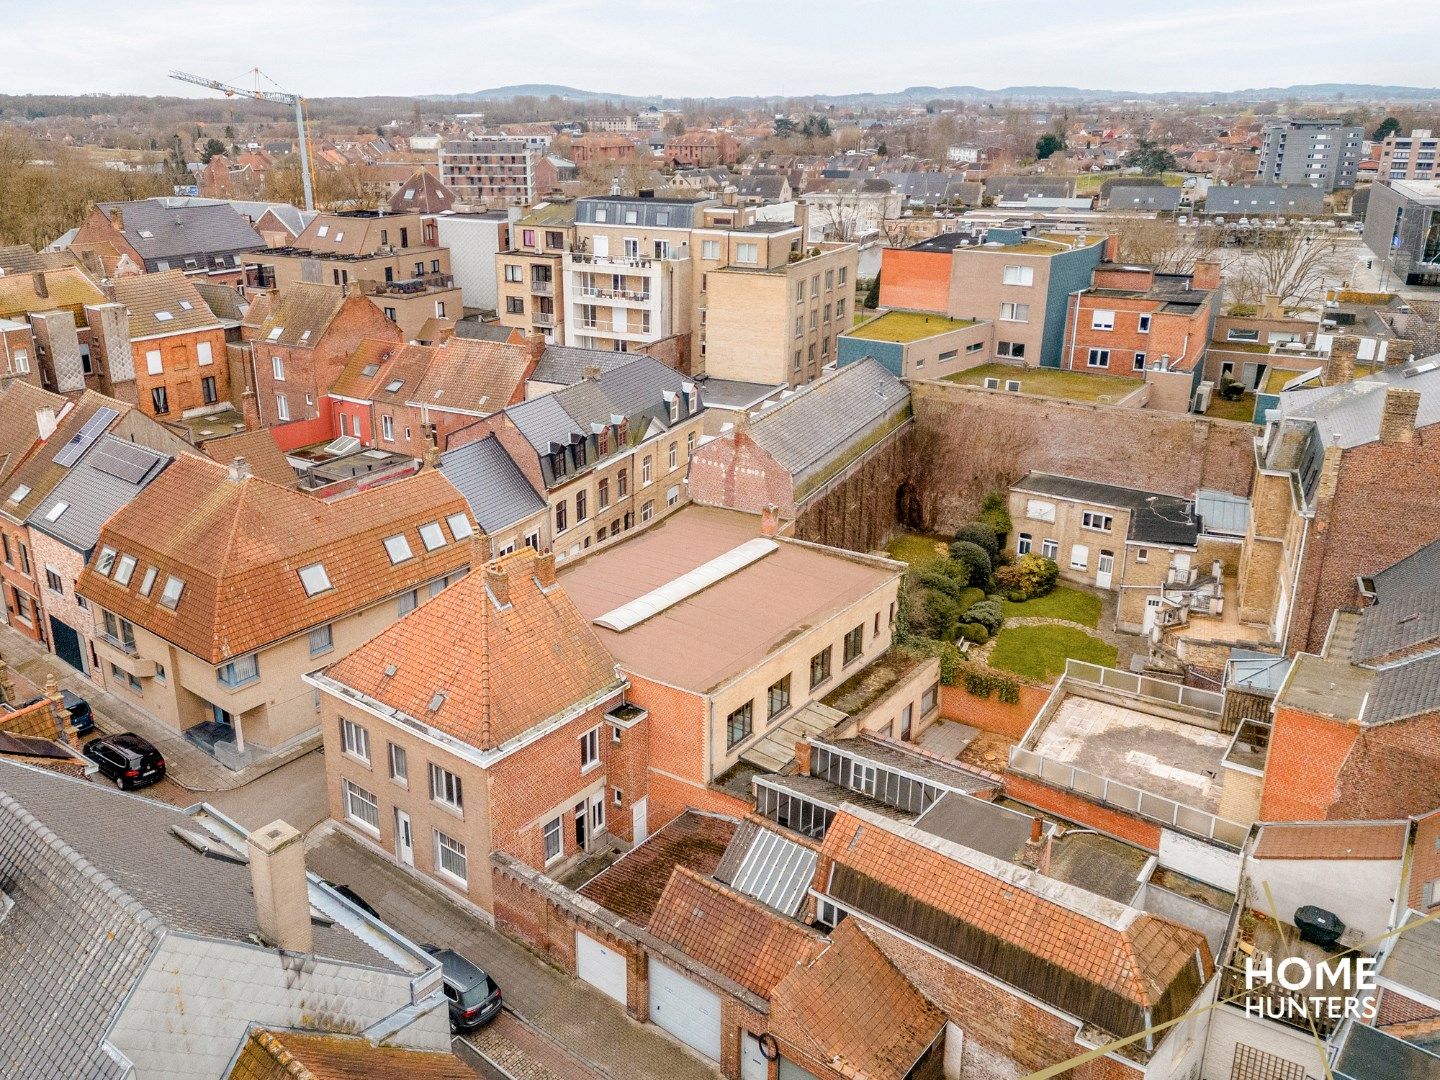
{"x":355,"y":898}
{"x":127,"y":759}
{"x":80,"y":714}
{"x":473,"y":996}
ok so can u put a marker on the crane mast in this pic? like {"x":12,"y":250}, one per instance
{"x":278,"y":96}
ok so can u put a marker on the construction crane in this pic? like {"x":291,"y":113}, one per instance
{"x":266,"y":95}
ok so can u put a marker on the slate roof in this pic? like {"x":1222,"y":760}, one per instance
{"x":1154,"y":518}
{"x":150,"y":298}
{"x":423,"y":193}
{"x":482,"y":667}
{"x":1349,"y":415}
{"x":1144,"y":197}
{"x":475,"y":330}
{"x":178,"y":231}
{"x":493,"y":485}
{"x":238,"y":547}
{"x":1263,"y":199}
{"x":1406,"y":608}
{"x":1405,"y":690}
{"x":294,"y":1055}
{"x":565,"y":364}
{"x":631,"y":886}
{"x":93,"y":492}
{"x":823,"y":420}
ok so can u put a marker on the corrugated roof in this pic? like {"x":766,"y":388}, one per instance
{"x":768,"y":867}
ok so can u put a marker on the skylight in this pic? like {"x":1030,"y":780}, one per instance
{"x":147,"y":234}
{"x":163,"y":316}
{"x":185,"y":305}
{"x":394,"y":385}
{"x":398,"y":548}
{"x":124,"y":570}
{"x":56,"y":510}
{"x":339,"y":236}
{"x":148,"y":581}
{"x":370,"y":370}
{"x":305,"y":336}
{"x":323,"y":230}
{"x":275,"y":334}
{"x":459,"y":526}
{"x":18,"y":495}
{"x":686,"y":585}
{"x":315,"y":579}
{"x":106,"y":561}
{"x":432,"y":535}
{"x":173,"y":588}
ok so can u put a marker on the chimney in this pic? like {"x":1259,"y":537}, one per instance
{"x":1205,"y":274}
{"x":282,"y":893}
{"x":64,"y":729}
{"x":1037,"y":830}
{"x":1112,"y":249}
{"x":1398,"y":351}
{"x":117,"y":218}
{"x":545,"y":569}
{"x":497,"y":581}
{"x":40,"y":285}
{"x":1397,"y":417}
{"x":7,"y":683}
{"x":1036,"y":852}
{"x":592,"y":373}
{"x":239,"y":470}
{"x":769,"y":520}
{"x":1340,"y":365}
{"x":535,"y":347}
{"x":1270,"y":307}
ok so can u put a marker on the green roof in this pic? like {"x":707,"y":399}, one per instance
{"x":907,"y":326}
{"x":1053,"y":382}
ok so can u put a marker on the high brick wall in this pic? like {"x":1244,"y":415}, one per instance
{"x":859,"y":512}
{"x":991,"y":714}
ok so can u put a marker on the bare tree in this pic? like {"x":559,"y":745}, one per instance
{"x":1289,"y":263}
{"x":1169,"y":248}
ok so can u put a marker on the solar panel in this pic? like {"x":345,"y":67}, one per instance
{"x":123,"y":461}
{"x":82,"y":439}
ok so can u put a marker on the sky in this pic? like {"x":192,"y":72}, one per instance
{"x":695,"y":48}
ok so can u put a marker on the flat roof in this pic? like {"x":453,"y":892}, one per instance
{"x":907,"y":326}
{"x":1053,"y":382}
{"x":703,"y":640}
{"x":1334,"y":688}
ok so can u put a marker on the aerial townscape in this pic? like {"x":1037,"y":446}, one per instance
{"x":566,"y":584}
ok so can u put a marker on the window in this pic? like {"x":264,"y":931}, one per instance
{"x":1050,"y":549}
{"x":153,"y":365}
{"x":361,"y":807}
{"x":282,"y":407}
{"x":739,"y":724}
{"x":1014,"y":312}
{"x":445,"y":788}
{"x":322,"y":639}
{"x":1093,"y":519}
{"x":1242,"y":335}
{"x":1142,"y":555}
{"x":582,"y":509}
{"x":238,"y":672}
{"x":645,"y":470}
{"x":123,"y":677}
{"x":1079,"y":556}
{"x":1143,"y":324}
{"x":1022,"y":547}
{"x":387,"y":428}
{"x":840,"y":308}
{"x":102,"y":564}
{"x":439,"y":309}
{"x":1101,"y":319}
{"x":204,"y":354}
{"x":1019,"y":275}
{"x":53,"y":582}
{"x":408,"y":602}
{"x":207,"y":390}
{"x":674,"y":455}
{"x":124,"y":569}
{"x":854,"y":644}
{"x":459,"y":526}
{"x":799,"y":292}
{"x":450,"y":857}
{"x":675,"y":408}
{"x":159,"y":401}
{"x":514,"y":273}
{"x":1139,"y":361}
{"x":602,"y":492}
{"x":398,"y":548}
{"x":841,"y":274}
{"x":399,"y":765}
{"x":622,"y":483}
{"x":355,"y":740}
{"x":820,"y":667}
{"x":1015,"y":350}
{"x":710,"y":249}
{"x":554,"y":238}
{"x":590,"y":749}
{"x":799,"y":325}
{"x":1098,"y":358}
{"x":747,"y":253}
{"x":170,"y":596}
{"x":515,"y":305}
{"x":562,"y":518}
{"x":778,"y":698}
{"x":553,"y":835}
{"x":315,"y":579}
{"x":929,"y":699}
{"x":432,"y":536}
{"x":119,"y":631}
{"x":148,"y":581}
{"x":277,"y":365}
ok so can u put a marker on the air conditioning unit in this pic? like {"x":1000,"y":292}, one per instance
{"x":992,"y":384}
{"x":1012,"y":385}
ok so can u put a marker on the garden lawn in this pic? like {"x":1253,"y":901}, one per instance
{"x":1040,"y":652}
{"x":918,"y":550}
{"x":1061,"y":603}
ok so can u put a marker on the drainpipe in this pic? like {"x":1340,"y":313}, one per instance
{"x":255,"y":387}
{"x":1075,"y":325}
{"x":1184,"y":350}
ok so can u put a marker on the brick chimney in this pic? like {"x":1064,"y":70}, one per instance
{"x":239,"y":470}
{"x":1340,"y":365}
{"x":117,"y":218}
{"x":1397,"y":418}
{"x":1205,"y":274}
{"x":1399,"y":351}
{"x":1036,"y":852}
{"x":535,"y":347}
{"x":7,"y":683}
{"x":1112,"y":249}
{"x":497,"y":581}
{"x":545,"y":569}
{"x":282,"y":894}
{"x":592,"y":373}
{"x":1270,"y":307}
{"x":64,"y":729}
{"x":769,"y":520}
{"x":39,"y":284}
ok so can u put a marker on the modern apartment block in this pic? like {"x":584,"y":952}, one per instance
{"x":495,"y":172}
{"x":530,"y":285}
{"x":1322,"y":153}
{"x":1402,"y":230}
{"x":1409,"y":157}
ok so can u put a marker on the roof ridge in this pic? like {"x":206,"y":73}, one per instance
{"x":292,"y":1065}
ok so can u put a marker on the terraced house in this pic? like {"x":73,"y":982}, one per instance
{"x":211,"y":622}
{"x":178,"y":346}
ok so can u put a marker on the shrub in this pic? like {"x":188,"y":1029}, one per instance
{"x":982,"y":682}
{"x":949,"y":576}
{"x":950,"y":661}
{"x":1027,"y":577}
{"x":987,"y":613}
{"x":934,"y":615}
{"x":995,"y":512}
{"x":968,"y":598}
{"x":975,"y":558}
{"x":974,"y":633}
{"x":977,"y":532}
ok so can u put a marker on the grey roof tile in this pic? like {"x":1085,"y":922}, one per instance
{"x":1349,"y":415}
{"x":492,"y":484}
{"x":93,"y":492}
{"x":1154,"y":518}
{"x":178,"y":229}
{"x":1406,"y":611}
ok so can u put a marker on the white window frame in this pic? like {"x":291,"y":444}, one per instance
{"x":277,"y":368}
{"x":432,"y":536}
{"x":1097,"y":521}
{"x":1079,"y":557}
{"x":322,"y":639}
{"x":1023,"y":544}
{"x":154,"y":365}
{"x":204,"y":354}
{"x":1018,"y":275}
{"x":391,"y":549}
{"x":456,"y":849}
{"x":589,"y":750}
{"x":446,"y":788}
{"x":460,"y":527}
{"x":553,"y":830}
{"x":399,"y":766}
{"x":387,"y":427}
{"x":1098,"y":358}
{"x":282,"y":407}
{"x":1016,"y":313}
{"x":1102,"y":319}
{"x":355,"y":740}
{"x":354,"y":794}
{"x":1049,"y":548}
{"x":1142,"y":324}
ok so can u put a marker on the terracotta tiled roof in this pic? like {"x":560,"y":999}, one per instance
{"x":474,"y":376}
{"x":39,"y":473}
{"x":238,"y":546}
{"x":364,"y":372}
{"x":853,"y":1010}
{"x":67,"y":287}
{"x":1342,"y":840}
{"x":162,"y":304}
{"x":1130,"y":954}
{"x":260,"y":451}
{"x":729,"y":933}
{"x":303,"y":307}
{"x":19,"y":404}
{"x":290,"y":1055}
{"x":487,"y":659}
{"x":632,"y":886}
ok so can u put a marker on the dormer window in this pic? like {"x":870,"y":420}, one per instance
{"x":170,"y":597}
{"x":315,"y":579}
{"x":398,"y":548}
{"x":674,"y":402}
{"x":432,"y":536}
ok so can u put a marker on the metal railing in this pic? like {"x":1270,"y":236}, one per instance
{"x":542,"y":288}
{"x":543,"y":318}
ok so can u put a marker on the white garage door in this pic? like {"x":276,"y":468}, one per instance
{"x":685,"y":1009}
{"x":600,"y":966}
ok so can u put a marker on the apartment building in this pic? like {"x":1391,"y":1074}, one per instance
{"x":1132,"y":319}
{"x":1324,"y":154}
{"x":396,"y":260}
{"x":1021,"y":282}
{"x":181,"y":632}
{"x":1409,"y":157}
{"x":511,"y":749}
{"x":473,"y":240}
{"x":178,"y":346}
{"x":701,"y":149}
{"x":1402,"y":231}
{"x":601,"y":148}
{"x":496,"y":171}
{"x":529,"y":274}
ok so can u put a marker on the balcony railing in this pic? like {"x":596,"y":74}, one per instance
{"x":542,"y":288}
{"x":634,"y":262}
{"x":543,"y":318}
{"x":639,"y":296}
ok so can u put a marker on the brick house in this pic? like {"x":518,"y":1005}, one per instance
{"x":701,"y":148}
{"x":67,"y":334}
{"x":1133,"y":318}
{"x":489,"y":720}
{"x":177,"y":346}
{"x":180,"y":629}
{"x":201,"y":238}
{"x":601,"y":148}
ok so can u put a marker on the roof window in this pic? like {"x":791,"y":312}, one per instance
{"x":275,"y":334}
{"x":394,"y":385}
{"x":339,"y":236}
{"x":315,"y":579}
{"x":147,"y":234}
{"x":170,"y":597}
{"x":18,"y":495}
{"x":398,"y":548}
{"x":432,"y":536}
{"x":106,"y":561}
{"x":148,"y":581}
{"x":124,"y":570}
{"x":163,"y":316}
{"x":185,"y":305}
{"x":56,"y":510}
{"x":459,"y":526}
{"x":323,"y":230}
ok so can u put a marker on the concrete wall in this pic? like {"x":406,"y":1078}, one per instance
{"x":473,"y":244}
{"x":1360,"y":891}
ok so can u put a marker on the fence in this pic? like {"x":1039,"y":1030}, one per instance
{"x":1146,"y":687}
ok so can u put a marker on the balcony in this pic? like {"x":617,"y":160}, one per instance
{"x":542,"y":288}
{"x":624,"y":296}
{"x":543,"y":318}
{"x":628,"y":262}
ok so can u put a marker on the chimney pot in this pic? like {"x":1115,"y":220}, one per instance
{"x":239,"y":470}
{"x":282,"y":892}
{"x":769,"y":520}
{"x":1037,"y":830}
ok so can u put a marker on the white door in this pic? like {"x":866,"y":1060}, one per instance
{"x":753,"y":1065}
{"x":404,"y":838}
{"x":601,"y":246}
{"x":600,"y":966}
{"x":638,"y":824}
{"x":1152,"y":609}
{"x":1103,"y":568}
{"x":685,"y":1009}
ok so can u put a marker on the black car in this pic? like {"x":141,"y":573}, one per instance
{"x":355,"y":898}
{"x":80,"y":714}
{"x":127,"y":759}
{"x":473,"y":996}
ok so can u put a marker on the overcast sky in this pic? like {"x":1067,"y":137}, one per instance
{"x":704,"y":48}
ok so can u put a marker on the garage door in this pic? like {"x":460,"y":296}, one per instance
{"x":685,"y":1009}
{"x":600,"y":966}
{"x":67,"y":644}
